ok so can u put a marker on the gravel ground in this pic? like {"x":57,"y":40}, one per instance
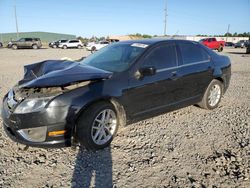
{"x":190,"y":147}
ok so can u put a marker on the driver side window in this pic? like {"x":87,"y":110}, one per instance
{"x":162,"y":57}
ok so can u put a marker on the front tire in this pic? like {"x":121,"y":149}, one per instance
{"x":97,"y":126}
{"x":93,"y":49}
{"x":64,"y":47}
{"x":212,"y":96}
{"x":14,"y":47}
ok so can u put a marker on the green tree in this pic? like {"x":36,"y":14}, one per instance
{"x":146,"y":36}
{"x":235,"y":34}
{"x":141,"y":35}
{"x":83,"y":40}
{"x":228,"y":34}
{"x":101,"y":38}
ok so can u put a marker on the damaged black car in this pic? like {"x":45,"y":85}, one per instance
{"x":59,"y":103}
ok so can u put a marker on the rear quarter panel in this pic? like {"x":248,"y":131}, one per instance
{"x":222,"y":70}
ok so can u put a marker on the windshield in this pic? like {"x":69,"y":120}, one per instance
{"x":202,"y":40}
{"x":115,"y":57}
{"x":21,"y":40}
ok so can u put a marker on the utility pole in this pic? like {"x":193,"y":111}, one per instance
{"x":165,"y":19}
{"x":17,"y":33}
{"x":228,"y":27}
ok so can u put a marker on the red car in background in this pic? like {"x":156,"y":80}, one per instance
{"x":212,"y":43}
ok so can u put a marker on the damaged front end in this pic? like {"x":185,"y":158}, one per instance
{"x":25,"y":100}
{"x":23,"y":93}
{"x":28,"y":121}
{"x":31,"y":113}
{"x":45,"y":80}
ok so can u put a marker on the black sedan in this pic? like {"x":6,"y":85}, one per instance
{"x":229,"y":44}
{"x":241,"y":44}
{"x":58,"y":103}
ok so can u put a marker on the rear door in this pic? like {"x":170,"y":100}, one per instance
{"x":156,"y":91}
{"x":71,"y":43}
{"x":195,"y":70}
{"x":28,"y":42}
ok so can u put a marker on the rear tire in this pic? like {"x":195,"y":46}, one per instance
{"x":97,"y":126}
{"x":54,"y":46}
{"x":212,"y":96}
{"x":79,"y":46}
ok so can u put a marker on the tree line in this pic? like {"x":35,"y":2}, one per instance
{"x":245,"y":34}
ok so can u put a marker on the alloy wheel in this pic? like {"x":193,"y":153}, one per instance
{"x":104,"y":126}
{"x":214,"y":95}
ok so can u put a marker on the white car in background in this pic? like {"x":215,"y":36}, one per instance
{"x":71,"y":44}
{"x":96,"y":46}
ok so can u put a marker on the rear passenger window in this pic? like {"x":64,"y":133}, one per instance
{"x":28,"y":39}
{"x":73,"y":41}
{"x":192,"y":53}
{"x":162,"y":57}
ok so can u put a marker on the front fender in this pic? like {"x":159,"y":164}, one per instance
{"x":80,"y":98}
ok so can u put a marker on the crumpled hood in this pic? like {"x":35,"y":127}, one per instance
{"x":55,"y":73}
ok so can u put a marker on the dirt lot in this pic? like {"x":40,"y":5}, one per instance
{"x":190,"y":147}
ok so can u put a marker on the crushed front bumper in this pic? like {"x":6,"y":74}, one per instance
{"x":51,"y":119}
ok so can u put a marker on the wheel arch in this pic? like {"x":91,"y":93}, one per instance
{"x":222,"y":81}
{"x":112,"y":100}
{"x":14,"y":45}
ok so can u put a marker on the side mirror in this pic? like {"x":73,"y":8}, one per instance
{"x":147,"y":71}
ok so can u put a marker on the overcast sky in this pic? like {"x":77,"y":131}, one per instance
{"x":113,"y":17}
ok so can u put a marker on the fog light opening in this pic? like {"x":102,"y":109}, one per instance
{"x":37,"y":134}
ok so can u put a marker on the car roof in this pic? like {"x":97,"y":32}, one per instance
{"x":152,"y":41}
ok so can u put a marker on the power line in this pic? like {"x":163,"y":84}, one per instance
{"x":165,"y":19}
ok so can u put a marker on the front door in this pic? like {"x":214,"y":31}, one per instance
{"x":152,"y":92}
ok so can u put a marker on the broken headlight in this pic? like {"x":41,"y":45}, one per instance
{"x":32,"y":105}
